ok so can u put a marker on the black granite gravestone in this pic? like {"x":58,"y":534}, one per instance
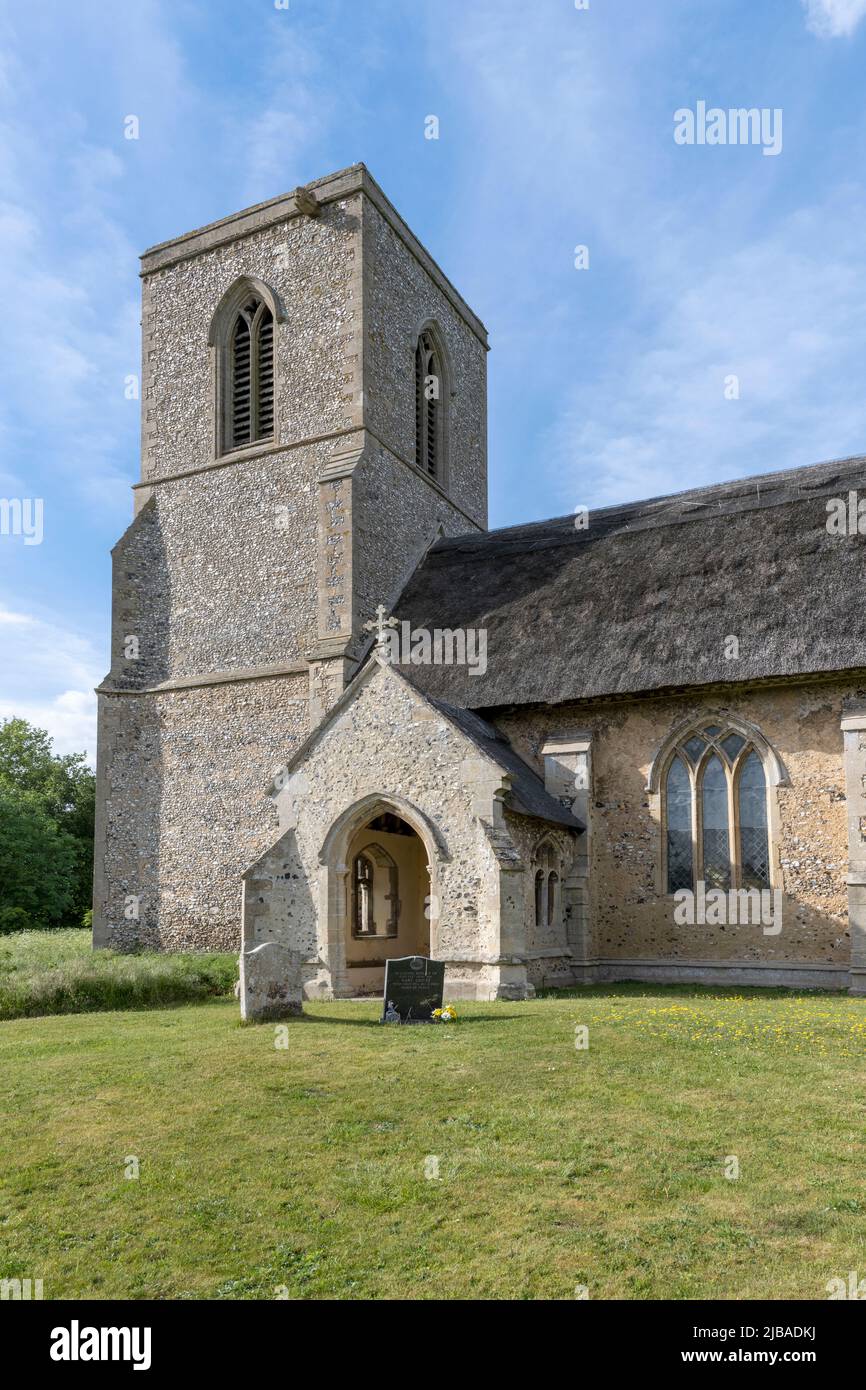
{"x":413,"y":989}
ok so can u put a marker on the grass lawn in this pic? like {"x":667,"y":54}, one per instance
{"x":305,"y":1167}
{"x":58,"y":972}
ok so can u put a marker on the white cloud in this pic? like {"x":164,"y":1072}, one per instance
{"x":70,"y":720}
{"x":78,"y":204}
{"x":49,"y":676}
{"x":71,"y":205}
{"x":697,"y":274}
{"x":777,"y":314}
{"x":832,"y":19}
{"x":276,"y":136}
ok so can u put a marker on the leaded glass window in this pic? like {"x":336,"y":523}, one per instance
{"x":552,"y":898}
{"x":714,"y":823}
{"x":754,"y":841}
{"x":715,"y":812}
{"x":732,"y":745}
{"x":679,"y":820}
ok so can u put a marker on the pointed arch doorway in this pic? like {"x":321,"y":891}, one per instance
{"x":379,"y":903}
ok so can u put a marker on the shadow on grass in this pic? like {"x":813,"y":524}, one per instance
{"x":347,"y":1022}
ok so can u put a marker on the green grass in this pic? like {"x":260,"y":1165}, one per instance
{"x":57,"y":972}
{"x":304,"y":1167}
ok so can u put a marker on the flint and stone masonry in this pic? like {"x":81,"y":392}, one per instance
{"x":267,"y":782}
{"x":241,"y":588}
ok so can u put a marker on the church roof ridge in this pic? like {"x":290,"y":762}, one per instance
{"x":758,"y":490}
{"x":632,"y":604}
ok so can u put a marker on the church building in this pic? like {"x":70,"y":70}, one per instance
{"x":345,"y":722}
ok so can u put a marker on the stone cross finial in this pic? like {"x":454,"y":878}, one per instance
{"x":379,"y":625}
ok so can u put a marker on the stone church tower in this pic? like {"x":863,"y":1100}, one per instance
{"x":296,"y":465}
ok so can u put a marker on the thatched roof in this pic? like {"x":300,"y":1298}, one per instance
{"x":644,"y":598}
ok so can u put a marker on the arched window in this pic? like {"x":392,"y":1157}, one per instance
{"x":375,"y":894}
{"x":714,"y":808}
{"x":250,"y":394}
{"x":362,"y":917}
{"x":547,"y":905}
{"x":715,"y":825}
{"x":540,"y":887}
{"x":429,"y":406}
{"x":242,"y":335}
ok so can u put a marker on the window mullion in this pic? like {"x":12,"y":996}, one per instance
{"x":734,"y":823}
{"x":697,"y":829}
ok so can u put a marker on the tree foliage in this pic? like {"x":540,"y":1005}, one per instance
{"x":46,"y":830}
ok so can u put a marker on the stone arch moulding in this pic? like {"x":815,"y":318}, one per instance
{"x":434,"y":328}
{"x":353,"y":819}
{"x":334,"y":869}
{"x":232,"y":300}
{"x":218,"y":347}
{"x":776,"y":772}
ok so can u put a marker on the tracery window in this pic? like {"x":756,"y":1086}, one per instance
{"x":547,"y":902}
{"x":714,"y":795}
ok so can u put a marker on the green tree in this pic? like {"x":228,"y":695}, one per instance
{"x":38,"y":865}
{"x":42,"y":792}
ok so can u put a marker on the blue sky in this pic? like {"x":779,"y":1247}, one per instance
{"x":556,"y":130}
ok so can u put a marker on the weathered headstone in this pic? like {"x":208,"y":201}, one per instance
{"x":271,"y":982}
{"x":413,"y":989}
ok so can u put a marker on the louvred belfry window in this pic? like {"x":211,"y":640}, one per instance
{"x":715,"y":812}
{"x":428,"y":406}
{"x":251,"y":384}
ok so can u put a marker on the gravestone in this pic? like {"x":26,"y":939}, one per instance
{"x":413,"y":989}
{"x":271,"y":982}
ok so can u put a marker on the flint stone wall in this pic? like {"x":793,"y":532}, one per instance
{"x":631,"y":915}
{"x":225,"y":573}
